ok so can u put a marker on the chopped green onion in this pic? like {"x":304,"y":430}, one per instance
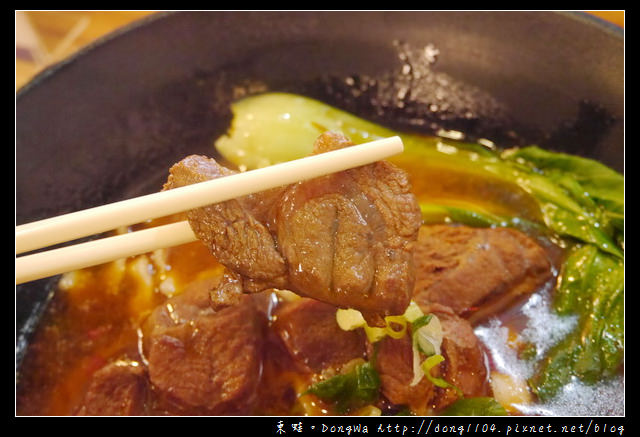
{"x":395,"y":320}
{"x":350,"y":390}
{"x":421,"y":321}
{"x":426,"y":339}
{"x":418,"y":374}
{"x":429,"y":364}
{"x":374,"y":334}
{"x":413,"y":312}
{"x":350,"y":319}
{"x":427,"y":335}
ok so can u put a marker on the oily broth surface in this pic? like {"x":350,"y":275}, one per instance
{"x":96,"y":315}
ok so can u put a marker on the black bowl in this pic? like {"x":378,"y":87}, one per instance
{"x":107,"y":123}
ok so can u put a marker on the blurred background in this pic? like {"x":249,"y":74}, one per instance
{"x":46,"y":37}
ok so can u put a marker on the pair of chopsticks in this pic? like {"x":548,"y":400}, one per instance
{"x":69,"y":227}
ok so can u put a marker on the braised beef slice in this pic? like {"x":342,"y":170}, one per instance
{"x":311,"y":335}
{"x":464,"y":367}
{"x":394,"y":363}
{"x":477,"y":271}
{"x":192,"y":303}
{"x":117,"y":389}
{"x":232,"y":230}
{"x":205,"y":361}
{"x":465,"y":364}
{"x":343,"y":239}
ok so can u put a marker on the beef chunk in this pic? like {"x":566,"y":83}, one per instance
{"x":183,"y":308}
{"x":235,"y":231}
{"x":394,"y":363}
{"x":117,"y":389}
{"x":309,"y":330}
{"x":477,"y":271}
{"x":465,"y":364}
{"x":464,"y":367}
{"x":343,"y":238}
{"x":205,"y":361}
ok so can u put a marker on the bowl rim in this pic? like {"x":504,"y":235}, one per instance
{"x":588,"y":19}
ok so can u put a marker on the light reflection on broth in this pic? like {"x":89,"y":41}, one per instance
{"x":96,"y":317}
{"x":97,"y":314}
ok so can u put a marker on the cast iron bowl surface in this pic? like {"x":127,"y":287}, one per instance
{"x":107,"y":123}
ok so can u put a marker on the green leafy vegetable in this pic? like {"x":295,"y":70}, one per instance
{"x":349,"y":390}
{"x":480,"y":406}
{"x":579,"y":200}
{"x":597,"y":181}
{"x":580,"y":197}
{"x":591,"y":285}
{"x":296,"y":121}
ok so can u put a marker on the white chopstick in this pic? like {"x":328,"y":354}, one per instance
{"x":91,"y":221}
{"x":92,"y":253}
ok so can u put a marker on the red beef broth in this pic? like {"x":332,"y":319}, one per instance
{"x":99,"y":320}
